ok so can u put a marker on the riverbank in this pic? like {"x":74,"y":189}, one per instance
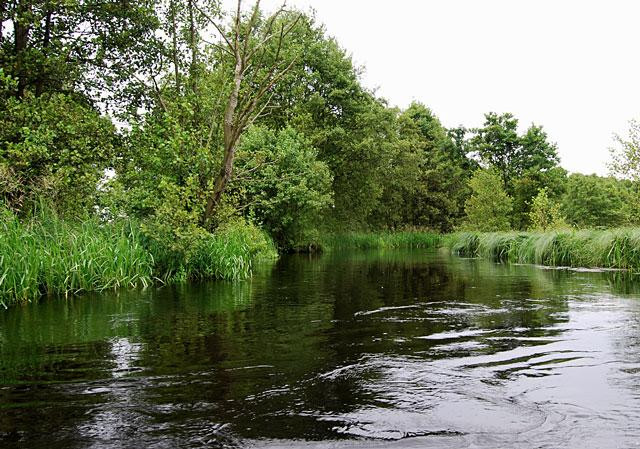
{"x":50,"y":256}
{"x":379,"y":240}
{"x":612,"y":248}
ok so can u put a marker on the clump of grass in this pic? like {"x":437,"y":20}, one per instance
{"x":377,"y":240}
{"x":51,"y":256}
{"x":230,"y":253}
{"x":496,"y":245}
{"x":48,"y":255}
{"x":614,"y":248}
{"x":463,"y":243}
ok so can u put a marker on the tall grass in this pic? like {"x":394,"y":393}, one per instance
{"x":228,"y":254}
{"x":48,"y":255}
{"x":613,"y":248}
{"x":375,"y":240}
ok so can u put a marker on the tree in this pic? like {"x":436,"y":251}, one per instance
{"x":526,"y":187}
{"x":61,"y":62}
{"x":489,"y":207}
{"x":545,"y":213}
{"x":91,"y":48}
{"x":355,"y":133}
{"x":184,"y":148}
{"x":498,"y":145}
{"x":52,"y":146}
{"x":593,"y":201}
{"x":526,"y":163}
{"x":435,"y":198}
{"x":247,"y":43}
{"x":625,"y":159}
{"x":281,"y":185}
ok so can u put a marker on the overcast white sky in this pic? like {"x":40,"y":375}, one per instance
{"x":572,"y":66}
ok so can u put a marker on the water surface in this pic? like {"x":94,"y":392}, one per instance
{"x":395,"y":349}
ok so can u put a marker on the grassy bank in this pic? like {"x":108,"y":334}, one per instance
{"x":375,"y":240}
{"x":52,"y":256}
{"x":614,"y":248}
{"x":229,"y":253}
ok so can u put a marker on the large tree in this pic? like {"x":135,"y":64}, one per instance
{"x":526,"y":162}
{"x":188,"y":165}
{"x":499,"y":145}
{"x":94,"y":48}
{"x":445,"y":170}
{"x":355,"y":133}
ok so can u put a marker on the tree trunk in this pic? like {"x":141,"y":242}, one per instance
{"x":231,"y":135}
{"x":174,"y":37}
{"x":237,"y":120}
{"x":2,"y":8}
{"x":21,"y":33}
{"x":194,"y":47}
{"x":45,"y":44}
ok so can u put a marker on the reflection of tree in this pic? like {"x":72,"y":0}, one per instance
{"x":271,"y":353}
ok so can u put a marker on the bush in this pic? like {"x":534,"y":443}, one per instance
{"x":545,"y":213}
{"x":280,"y":184}
{"x":229,"y":253}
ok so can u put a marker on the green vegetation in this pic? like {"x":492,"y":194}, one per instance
{"x":489,"y":207}
{"x":47,"y":255}
{"x":545,"y":213}
{"x":220,"y":147}
{"x":594,"y":201}
{"x":377,"y":240}
{"x":625,"y":157}
{"x":526,"y":163}
{"x":614,"y":248}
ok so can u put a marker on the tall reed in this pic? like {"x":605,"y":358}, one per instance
{"x":613,"y":248}
{"x":47,"y":255}
{"x":51,"y":256}
{"x":386,"y":239}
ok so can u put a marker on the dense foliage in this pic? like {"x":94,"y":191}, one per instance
{"x":545,"y":213}
{"x":191,"y":123}
{"x":489,"y":206}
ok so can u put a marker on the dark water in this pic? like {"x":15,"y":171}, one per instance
{"x":384,"y":349}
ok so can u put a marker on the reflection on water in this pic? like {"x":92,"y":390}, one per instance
{"x":366,"y":349}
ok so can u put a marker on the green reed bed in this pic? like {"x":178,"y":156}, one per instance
{"x":613,"y":248}
{"x":376,"y":240}
{"x":229,"y":254}
{"x":52,"y":256}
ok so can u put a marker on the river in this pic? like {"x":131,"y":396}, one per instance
{"x":364,"y":349}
